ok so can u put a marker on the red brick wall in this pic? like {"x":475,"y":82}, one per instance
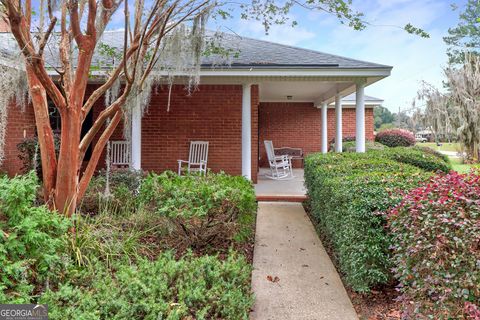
{"x":20,"y":124}
{"x":298,"y":125}
{"x":348,"y":123}
{"x":212,"y":113}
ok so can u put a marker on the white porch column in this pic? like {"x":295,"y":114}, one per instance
{"x":247,"y":132}
{"x":338,"y":124}
{"x":360,"y":118}
{"x":324,"y":128}
{"x":136,"y":138}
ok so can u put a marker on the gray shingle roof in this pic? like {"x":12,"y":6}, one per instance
{"x":261,"y":53}
{"x":353,"y":97}
{"x":247,"y":53}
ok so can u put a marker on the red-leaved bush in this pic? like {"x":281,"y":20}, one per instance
{"x":472,"y":312}
{"x":395,"y":138}
{"x":436,"y":248}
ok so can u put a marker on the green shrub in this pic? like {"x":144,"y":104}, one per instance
{"x":419,"y":158}
{"x":29,"y":154}
{"x":347,"y":192}
{"x":189,"y":288}
{"x":350,"y":146}
{"x":206,"y":210}
{"x":434,"y":152}
{"x":121,"y":195}
{"x":436,"y":242}
{"x":119,"y":265}
{"x":396,"y":138}
{"x":32,"y":241}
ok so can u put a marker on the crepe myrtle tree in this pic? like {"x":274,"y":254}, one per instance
{"x":162,"y":38}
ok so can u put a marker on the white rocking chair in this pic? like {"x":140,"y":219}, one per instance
{"x":120,"y":154}
{"x":280,"y":166}
{"x":197,"y":158}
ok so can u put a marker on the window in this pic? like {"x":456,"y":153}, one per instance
{"x":56,"y":124}
{"x":55,"y":120}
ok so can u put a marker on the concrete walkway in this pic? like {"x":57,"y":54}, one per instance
{"x":293,"y":277}
{"x":289,"y":187}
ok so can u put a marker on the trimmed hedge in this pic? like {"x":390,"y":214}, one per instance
{"x":396,"y":138}
{"x":348,"y":192}
{"x":433,"y":152}
{"x":419,"y":158}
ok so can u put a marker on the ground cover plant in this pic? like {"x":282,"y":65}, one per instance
{"x":132,"y":261}
{"x":436,"y":244}
{"x":212,"y":211}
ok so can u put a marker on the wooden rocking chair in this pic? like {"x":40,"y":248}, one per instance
{"x":280,"y":166}
{"x":197,"y":158}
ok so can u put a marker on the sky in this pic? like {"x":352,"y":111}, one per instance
{"x":414,"y":59}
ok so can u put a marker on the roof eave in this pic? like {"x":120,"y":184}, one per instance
{"x":295,"y":71}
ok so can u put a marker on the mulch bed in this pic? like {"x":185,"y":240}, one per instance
{"x":378,"y":305}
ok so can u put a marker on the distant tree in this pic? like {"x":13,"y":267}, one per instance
{"x":466,"y":35}
{"x":386,"y":126}
{"x":403,"y":120}
{"x":458,"y":110}
{"x":382,"y":116}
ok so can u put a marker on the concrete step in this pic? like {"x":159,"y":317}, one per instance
{"x":282,"y":198}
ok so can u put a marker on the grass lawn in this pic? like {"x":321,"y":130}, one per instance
{"x":461,"y":167}
{"x":444,"y":147}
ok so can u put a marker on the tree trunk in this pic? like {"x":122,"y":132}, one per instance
{"x":68,"y":166}
{"x":45,"y":135}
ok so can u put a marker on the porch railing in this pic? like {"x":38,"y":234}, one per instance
{"x":120,"y":153}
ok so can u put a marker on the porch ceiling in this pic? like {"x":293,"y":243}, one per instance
{"x":300,"y":91}
{"x":315,"y":89}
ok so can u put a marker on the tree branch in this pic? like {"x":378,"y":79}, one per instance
{"x":108,"y":84}
{"x":75,"y":22}
{"x":46,"y":36}
{"x":97,"y":152}
{"x":20,"y":31}
{"x":101,"y":119}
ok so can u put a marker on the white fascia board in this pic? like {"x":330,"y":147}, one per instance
{"x":263,"y":72}
{"x":353,"y":103}
{"x":324,"y":72}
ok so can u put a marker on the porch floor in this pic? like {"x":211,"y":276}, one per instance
{"x":291,"y":190}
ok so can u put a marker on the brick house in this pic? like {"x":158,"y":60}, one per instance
{"x":269,"y":91}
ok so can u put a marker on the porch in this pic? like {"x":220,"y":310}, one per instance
{"x":292,"y":103}
{"x":292,"y":190}
{"x":236,"y":120}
